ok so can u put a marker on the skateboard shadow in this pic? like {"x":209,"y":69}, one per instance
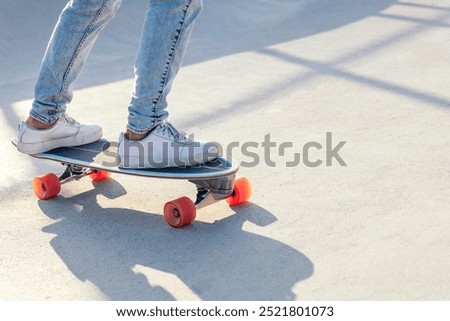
{"x":217,"y":261}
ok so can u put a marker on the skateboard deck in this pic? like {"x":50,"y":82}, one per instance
{"x":102,"y":155}
{"x":214,"y":180}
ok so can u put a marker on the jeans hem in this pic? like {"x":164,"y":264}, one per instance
{"x":41,"y":119}
{"x":143,"y":131}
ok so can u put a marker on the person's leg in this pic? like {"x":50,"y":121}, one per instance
{"x":73,"y":37}
{"x":150,"y":141}
{"x":48,"y":127}
{"x":167,"y":28}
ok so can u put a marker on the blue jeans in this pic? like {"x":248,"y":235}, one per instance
{"x":165,"y":34}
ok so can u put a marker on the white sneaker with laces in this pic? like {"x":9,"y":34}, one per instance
{"x":164,"y":147}
{"x":65,"y":132}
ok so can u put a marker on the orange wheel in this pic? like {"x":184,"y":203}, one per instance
{"x":46,"y":186}
{"x":242,"y":191}
{"x":99,"y":175}
{"x":180,"y":212}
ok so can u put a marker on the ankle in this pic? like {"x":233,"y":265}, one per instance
{"x":135,"y":137}
{"x":36,"y":124}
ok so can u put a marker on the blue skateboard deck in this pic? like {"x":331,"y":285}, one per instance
{"x":102,"y":155}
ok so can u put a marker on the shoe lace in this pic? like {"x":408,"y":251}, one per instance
{"x":168,"y":130}
{"x":67,"y":119}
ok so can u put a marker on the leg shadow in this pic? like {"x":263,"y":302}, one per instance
{"x":218,"y":261}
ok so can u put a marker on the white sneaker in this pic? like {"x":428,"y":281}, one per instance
{"x":65,"y":132}
{"x":165,"y":147}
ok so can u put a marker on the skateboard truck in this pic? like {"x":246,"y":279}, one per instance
{"x":76,"y":172}
{"x":213,"y":190}
{"x":73,"y":172}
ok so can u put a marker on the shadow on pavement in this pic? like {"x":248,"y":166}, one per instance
{"x":217,"y":261}
{"x":224,"y":28}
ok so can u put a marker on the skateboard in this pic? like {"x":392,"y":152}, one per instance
{"x":215,"y":180}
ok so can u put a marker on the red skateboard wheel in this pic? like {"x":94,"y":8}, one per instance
{"x":46,"y":186}
{"x":242,"y":191}
{"x":98,"y":175}
{"x":180,"y":212}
